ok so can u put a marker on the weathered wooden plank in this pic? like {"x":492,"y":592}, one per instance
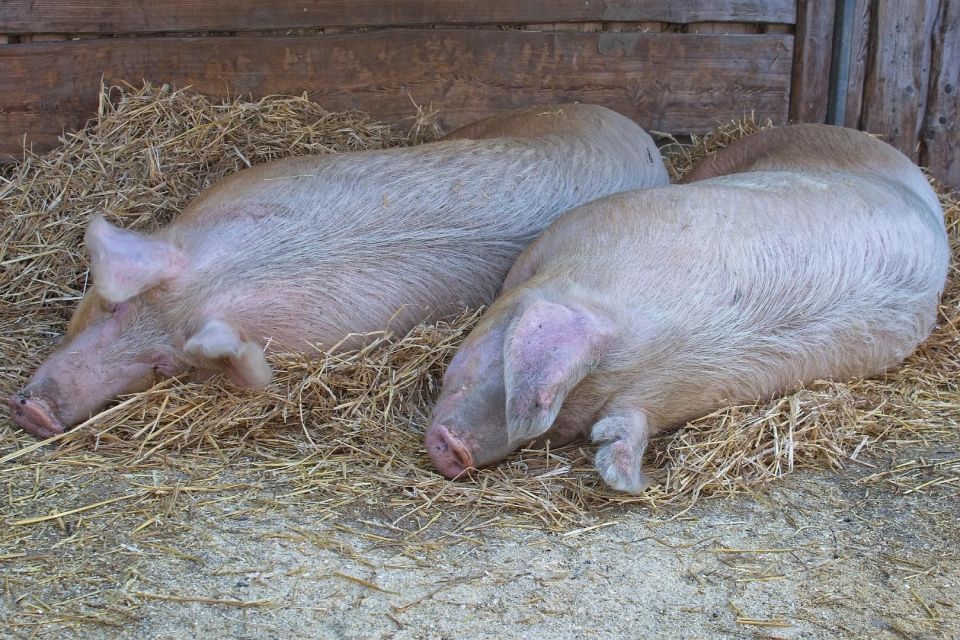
{"x":150,"y":16}
{"x":940,"y":150}
{"x":811,"y":60}
{"x":583,"y":27}
{"x":895,"y":92}
{"x":668,"y":82}
{"x":644,"y":27}
{"x":723,"y":27}
{"x":43,"y":37}
{"x":859,"y":49}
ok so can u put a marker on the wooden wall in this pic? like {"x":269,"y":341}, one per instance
{"x":680,"y":67}
{"x":674,"y":66}
{"x":905,"y":79}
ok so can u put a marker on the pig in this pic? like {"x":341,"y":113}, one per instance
{"x":308,"y":251}
{"x":796,"y":254}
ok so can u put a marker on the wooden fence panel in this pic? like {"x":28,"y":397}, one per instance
{"x":896,"y":87}
{"x":152,"y":16}
{"x":859,"y":57}
{"x":811,"y":61}
{"x":940,"y":145}
{"x":668,"y":82}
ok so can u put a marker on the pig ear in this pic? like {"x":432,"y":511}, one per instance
{"x":221,"y":347}
{"x":550,"y":349}
{"x":126,"y":263}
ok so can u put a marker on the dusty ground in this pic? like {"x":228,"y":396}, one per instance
{"x":817,"y":555}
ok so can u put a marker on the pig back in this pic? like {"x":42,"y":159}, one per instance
{"x":312,"y":248}
{"x":751,"y":284}
{"x":818,"y":148}
{"x":594,"y":125}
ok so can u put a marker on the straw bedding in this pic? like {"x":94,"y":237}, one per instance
{"x":343,"y":432}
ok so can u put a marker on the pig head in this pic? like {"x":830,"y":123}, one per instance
{"x":506,"y":385}
{"x":120,"y":340}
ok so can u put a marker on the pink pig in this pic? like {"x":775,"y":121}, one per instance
{"x":309,"y":250}
{"x":800,"y":253}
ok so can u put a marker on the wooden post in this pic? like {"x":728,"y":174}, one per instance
{"x":859,"y":52}
{"x":840,"y":61}
{"x":811,"y":60}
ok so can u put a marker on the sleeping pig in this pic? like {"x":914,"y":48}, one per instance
{"x":796,"y":254}
{"x":309,"y":250}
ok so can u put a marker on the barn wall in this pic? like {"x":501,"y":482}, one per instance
{"x":678,"y":67}
{"x":905,"y":79}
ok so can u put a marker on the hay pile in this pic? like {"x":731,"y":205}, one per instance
{"x":344,"y":433}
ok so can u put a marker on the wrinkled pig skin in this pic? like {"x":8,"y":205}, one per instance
{"x":799,"y":253}
{"x":310,"y":250}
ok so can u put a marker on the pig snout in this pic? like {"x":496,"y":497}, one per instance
{"x":450,"y":454}
{"x":33,"y":415}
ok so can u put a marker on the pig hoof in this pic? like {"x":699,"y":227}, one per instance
{"x":449,"y":453}
{"x":619,"y":466}
{"x":621,"y":442}
{"x":34,"y":416}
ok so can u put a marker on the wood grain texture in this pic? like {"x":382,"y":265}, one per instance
{"x":811,"y":60}
{"x":667,"y":82}
{"x":859,"y":50}
{"x":645,"y":27}
{"x":940,"y":144}
{"x":43,"y":37}
{"x":896,"y":87}
{"x":723,"y":27}
{"x":151,"y":16}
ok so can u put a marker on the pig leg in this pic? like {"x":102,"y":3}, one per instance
{"x":559,"y":435}
{"x":218,"y":345}
{"x":622,"y":438}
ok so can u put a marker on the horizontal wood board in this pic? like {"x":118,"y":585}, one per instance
{"x":679,"y":83}
{"x":151,"y":16}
